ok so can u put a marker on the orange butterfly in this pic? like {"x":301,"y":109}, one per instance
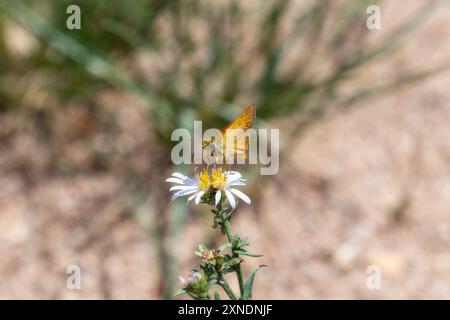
{"x":236,"y":130}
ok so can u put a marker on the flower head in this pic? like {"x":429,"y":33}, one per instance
{"x":213,"y":184}
{"x":191,"y":279}
{"x":210,"y":255}
{"x":225,"y":183}
{"x":195,"y":284}
{"x":194,"y":187}
{"x":203,"y":180}
{"x":218,"y":179}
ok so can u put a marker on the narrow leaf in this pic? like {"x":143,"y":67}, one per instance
{"x":224,"y":246}
{"x":248,"y":253}
{"x":179,"y":292}
{"x":248,"y":286}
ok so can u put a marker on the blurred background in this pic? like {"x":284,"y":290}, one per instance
{"x":85,"y":123}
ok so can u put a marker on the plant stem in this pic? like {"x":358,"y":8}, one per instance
{"x":236,"y":255}
{"x":240,"y":277}
{"x":227,"y":289}
{"x":227,"y":229}
{"x":226,"y":224}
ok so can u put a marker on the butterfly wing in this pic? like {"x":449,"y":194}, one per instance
{"x":243,"y":122}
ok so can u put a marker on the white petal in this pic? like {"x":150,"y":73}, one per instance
{"x":198,"y":197}
{"x":175,"y":196}
{"x":218,"y":196}
{"x":186,"y":192}
{"x":231,"y":199}
{"x":182,"y":193}
{"x":182,"y":188}
{"x":179,"y":175}
{"x":238,"y":183}
{"x":175,"y":180}
{"x":235,"y":177}
{"x":232,"y":172}
{"x":241,"y":195}
{"x":235,"y":173}
{"x":191,"y":197}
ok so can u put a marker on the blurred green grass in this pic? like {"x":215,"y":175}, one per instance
{"x":205,"y":61}
{"x":87,"y":59}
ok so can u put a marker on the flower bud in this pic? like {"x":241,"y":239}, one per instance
{"x":196,"y":284}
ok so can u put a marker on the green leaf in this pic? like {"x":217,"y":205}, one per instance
{"x":212,"y":282}
{"x":179,"y":292}
{"x":248,"y":285}
{"x":248,"y":253}
{"x":232,"y":262}
{"x":229,"y":264}
{"x":216,"y":296}
{"x":238,"y":243}
{"x":224,"y":246}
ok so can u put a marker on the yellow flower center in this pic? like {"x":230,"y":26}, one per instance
{"x":218,"y":179}
{"x":203,"y":180}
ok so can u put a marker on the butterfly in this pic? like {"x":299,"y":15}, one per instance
{"x":236,"y":130}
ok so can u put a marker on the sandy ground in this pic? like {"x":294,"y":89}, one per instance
{"x":366,"y":187}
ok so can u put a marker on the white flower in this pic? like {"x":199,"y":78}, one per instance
{"x":219,"y":182}
{"x":226,"y":182}
{"x":192,"y":187}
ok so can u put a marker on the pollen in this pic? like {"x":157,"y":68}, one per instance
{"x":218,"y":180}
{"x":203,"y":180}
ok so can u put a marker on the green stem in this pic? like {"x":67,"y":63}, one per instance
{"x":226,"y":224}
{"x":240,"y":277}
{"x":227,"y":289}
{"x":227,"y":229}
